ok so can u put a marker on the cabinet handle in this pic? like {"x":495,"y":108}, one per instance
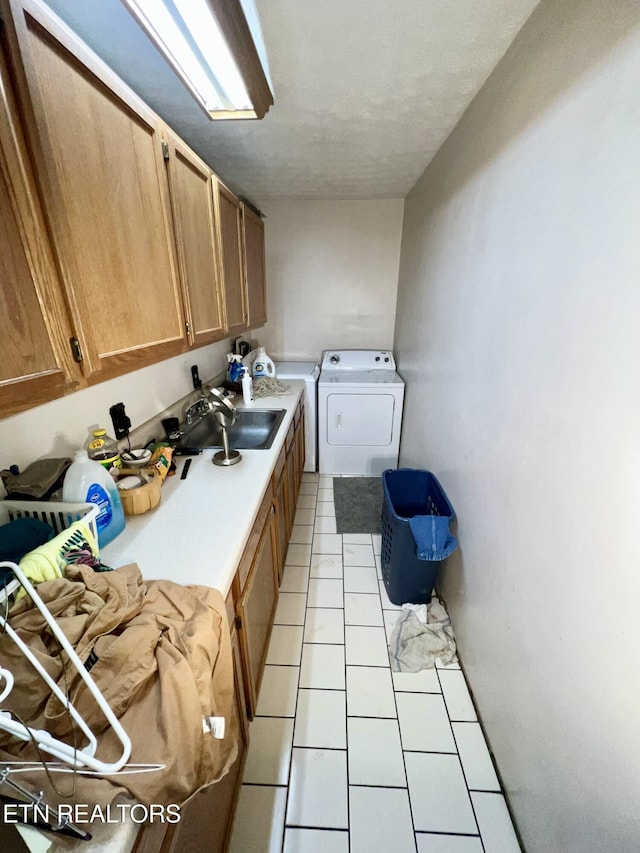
{"x":76,"y":349}
{"x":338,"y":421}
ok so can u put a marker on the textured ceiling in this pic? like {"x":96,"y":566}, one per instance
{"x":366,"y":91}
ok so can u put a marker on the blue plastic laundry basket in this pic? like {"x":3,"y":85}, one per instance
{"x":409,"y":493}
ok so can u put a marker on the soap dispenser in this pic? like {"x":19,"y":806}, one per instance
{"x":247,"y":388}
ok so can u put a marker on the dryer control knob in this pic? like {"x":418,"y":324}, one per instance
{"x":334,"y":359}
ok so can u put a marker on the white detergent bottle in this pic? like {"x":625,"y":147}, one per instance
{"x":87,"y":481}
{"x":263,"y":367}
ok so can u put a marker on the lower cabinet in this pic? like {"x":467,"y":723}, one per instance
{"x":295,"y":456}
{"x":298,"y":441}
{"x":281,"y":509}
{"x":291,"y":479}
{"x":255,"y":609}
{"x":207,"y":819}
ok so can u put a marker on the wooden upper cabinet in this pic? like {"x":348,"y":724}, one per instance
{"x":98,"y":157}
{"x":254,"y":270}
{"x":229,"y":216}
{"x":190,"y":185}
{"x":36,"y":365}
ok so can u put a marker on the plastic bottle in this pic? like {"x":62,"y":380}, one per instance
{"x":247,"y":388}
{"x":104,"y":449}
{"x":234,"y":368}
{"x":263,"y":366}
{"x":86,"y":481}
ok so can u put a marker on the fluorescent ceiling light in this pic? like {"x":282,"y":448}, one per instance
{"x":201,"y":40}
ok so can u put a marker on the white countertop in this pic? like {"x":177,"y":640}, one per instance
{"x":197,"y":533}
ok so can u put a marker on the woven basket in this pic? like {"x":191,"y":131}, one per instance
{"x":145,"y":497}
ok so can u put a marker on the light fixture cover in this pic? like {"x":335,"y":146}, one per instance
{"x":216,"y":48}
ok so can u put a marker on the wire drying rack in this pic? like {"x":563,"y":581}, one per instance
{"x":59,"y":515}
{"x":70,"y":759}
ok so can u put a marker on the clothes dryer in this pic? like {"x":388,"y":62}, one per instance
{"x":360,"y":400}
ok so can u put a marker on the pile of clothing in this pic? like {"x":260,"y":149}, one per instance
{"x":160,"y":654}
{"x":42,"y":555}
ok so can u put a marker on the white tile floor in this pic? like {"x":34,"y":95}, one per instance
{"x":346,"y":757}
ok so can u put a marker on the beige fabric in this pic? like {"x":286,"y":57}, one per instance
{"x":163,"y":661}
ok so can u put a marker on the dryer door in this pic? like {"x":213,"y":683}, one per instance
{"x":360,"y":420}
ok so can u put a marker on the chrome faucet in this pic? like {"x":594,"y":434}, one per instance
{"x":198,"y":410}
{"x":202,"y":405}
{"x":211,"y":400}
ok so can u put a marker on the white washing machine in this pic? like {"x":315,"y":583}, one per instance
{"x":309,"y":372}
{"x":360,"y":398}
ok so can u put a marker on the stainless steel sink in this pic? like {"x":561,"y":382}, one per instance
{"x":254,"y":429}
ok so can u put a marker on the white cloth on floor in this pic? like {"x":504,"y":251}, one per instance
{"x":420,"y":610}
{"x":417,"y":641}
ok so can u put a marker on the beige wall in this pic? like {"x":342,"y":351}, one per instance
{"x":518,"y":332}
{"x":332,"y":273}
{"x":61,"y":426}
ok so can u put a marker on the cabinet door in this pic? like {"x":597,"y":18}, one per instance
{"x":292,"y":490}
{"x":230,"y":241}
{"x":255,"y":612}
{"x":282,"y":525}
{"x":190,"y":185}
{"x":240,"y":694}
{"x":36,"y":365}
{"x":254,"y":267}
{"x":300,"y":449}
{"x":98,"y":156}
{"x":207,"y":819}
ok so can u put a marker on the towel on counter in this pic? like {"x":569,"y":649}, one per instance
{"x":38,"y":481}
{"x":434,"y":540}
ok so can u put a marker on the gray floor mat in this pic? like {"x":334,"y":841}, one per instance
{"x":358,"y":502}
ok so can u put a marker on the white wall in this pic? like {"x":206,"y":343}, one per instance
{"x":61,"y":426}
{"x":518,"y":331}
{"x":332,"y":275}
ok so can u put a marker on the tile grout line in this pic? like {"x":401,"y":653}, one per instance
{"x":464,"y":775}
{"x":496,"y":769}
{"x":295,"y":713}
{"x":336,"y":749}
{"x":397,"y":719}
{"x":344,"y":646}
{"x":402,"y":749}
{"x":346,"y":696}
